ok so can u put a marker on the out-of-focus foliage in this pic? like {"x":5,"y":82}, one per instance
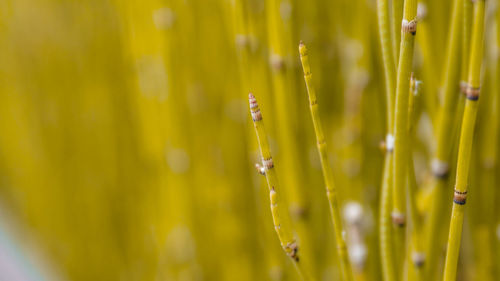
{"x":127,"y":150}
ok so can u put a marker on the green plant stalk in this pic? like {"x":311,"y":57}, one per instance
{"x":496,"y":208}
{"x":465,"y":53}
{"x":401,"y":113}
{"x":484,"y":228}
{"x":431,"y":62}
{"x":285,"y":107}
{"x":385,"y":231}
{"x":466,"y":34}
{"x":440,"y":165}
{"x":247,"y":66}
{"x":416,"y":269}
{"x":416,"y":255}
{"x":388,"y":59}
{"x":466,"y":140}
{"x":331,"y":191}
{"x":281,"y":218}
{"x":466,"y":37}
{"x":408,"y":31}
{"x":396,"y":17}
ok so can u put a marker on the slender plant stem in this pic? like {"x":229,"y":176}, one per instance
{"x":408,"y":31}
{"x":440,"y":163}
{"x":431,"y":62}
{"x":409,"y":27}
{"x":396,"y":17}
{"x":388,"y":59}
{"x":386,"y":231}
{"x":415,"y":270}
{"x":331,"y":191}
{"x":282,"y":82}
{"x":466,"y":140}
{"x":386,"y":249}
{"x":281,"y":218}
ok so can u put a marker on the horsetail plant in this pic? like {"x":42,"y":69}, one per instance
{"x":400,"y":162}
{"x":281,"y":218}
{"x":385,"y":231}
{"x":396,"y":17}
{"x":159,"y":84}
{"x":282,"y":81}
{"x":416,"y":255}
{"x":331,"y":192}
{"x":466,"y":140}
{"x":440,"y":166}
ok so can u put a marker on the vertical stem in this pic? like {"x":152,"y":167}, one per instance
{"x":465,"y":147}
{"x":440,"y":163}
{"x":386,"y":232}
{"x":416,"y":255}
{"x":386,"y":249}
{"x":396,"y":17}
{"x":432,"y":63}
{"x":325,"y":165}
{"x":388,"y":59}
{"x":408,"y":30}
{"x":285,"y":106}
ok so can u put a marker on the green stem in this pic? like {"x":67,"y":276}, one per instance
{"x":331,"y":192}
{"x":466,"y":140}
{"x":386,"y":249}
{"x":281,"y":218}
{"x":440,"y":164}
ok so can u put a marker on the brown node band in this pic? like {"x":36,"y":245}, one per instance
{"x":409,"y":26}
{"x":398,"y":219}
{"x":460,"y":197}
{"x":291,"y":250}
{"x":252,"y":101}
{"x":256,"y":115}
{"x":260,"y":169}
{"x":268,"y":163}
{"x":472,"y":93}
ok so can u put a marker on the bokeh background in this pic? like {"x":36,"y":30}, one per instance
{"x":127,"y":149}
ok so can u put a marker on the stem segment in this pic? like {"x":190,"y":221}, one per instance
{"x":385,"y":231}
{"x":331,"y":192}
{"x":279,"y":212}
{"x":465,"y":147}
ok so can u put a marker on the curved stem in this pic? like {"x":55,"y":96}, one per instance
{"x":281,"y":218}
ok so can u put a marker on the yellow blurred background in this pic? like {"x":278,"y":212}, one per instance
{"x":127,"y":150}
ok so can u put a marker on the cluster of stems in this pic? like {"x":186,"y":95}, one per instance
{"x":409,"y":248}
{"x":400,"y":130}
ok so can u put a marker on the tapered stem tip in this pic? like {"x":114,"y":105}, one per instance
{"x":302,"y":48}
{"x":252,"y":101}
